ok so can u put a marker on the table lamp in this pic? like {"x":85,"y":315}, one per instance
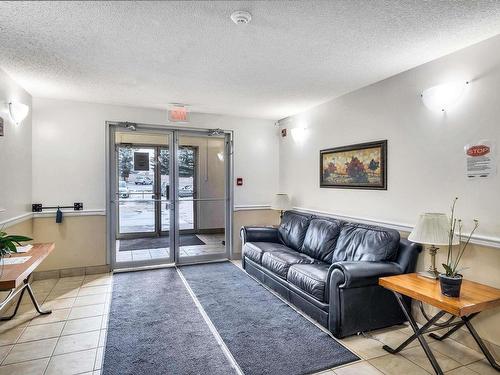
{"x":432,"y":229}
{"x":281,"y":203}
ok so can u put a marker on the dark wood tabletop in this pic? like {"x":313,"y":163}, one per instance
{"x":13,"y":275}
{"x":474,"y":297}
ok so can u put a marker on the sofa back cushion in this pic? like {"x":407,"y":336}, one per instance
{"x":293,"y":229}
{"x":360,"y":242}
{"x":321,"y":238}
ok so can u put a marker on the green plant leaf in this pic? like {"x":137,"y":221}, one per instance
{"x":11,"y":247}
{"x":15,"y":238}
{"x":447,"y":268}
{"x":8,"y":242}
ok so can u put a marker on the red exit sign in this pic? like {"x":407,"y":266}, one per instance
{"x":178,"y":114}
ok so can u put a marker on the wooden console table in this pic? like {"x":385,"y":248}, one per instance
{"x":15,"y":278}
{"x":473,"y":299}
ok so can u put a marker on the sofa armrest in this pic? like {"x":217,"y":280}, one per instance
{"x":356,"y":274}
{"x":259,"y":234}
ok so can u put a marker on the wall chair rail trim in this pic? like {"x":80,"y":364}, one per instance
{"x":477,"y":239}
{"x":250,"y":207}
{"x":52,"y":213}
{"x":16,"y":220}
{"x":89,"y":212}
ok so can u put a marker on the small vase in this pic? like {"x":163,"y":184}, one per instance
{"x":450,"y":286}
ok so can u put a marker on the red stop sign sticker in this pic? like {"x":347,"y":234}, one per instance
{"x":478,"y":150}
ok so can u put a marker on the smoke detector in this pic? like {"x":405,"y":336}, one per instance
{"x":241,"y":17}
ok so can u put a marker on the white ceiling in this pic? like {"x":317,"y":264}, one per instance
{"x":292,"y":56}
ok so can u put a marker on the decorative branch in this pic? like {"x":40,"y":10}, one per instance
{"x":451,"y":264}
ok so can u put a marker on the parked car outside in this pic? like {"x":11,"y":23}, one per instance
{"x":186,"y":191}
{"x":143,"y":180}
{"x":123,"y":189}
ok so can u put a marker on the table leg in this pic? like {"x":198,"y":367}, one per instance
{"x":451,"y":331}
{"x":484,"y":349}
{"x":466,"y":322}
{"x":25,"y":287}
{"x":418,"y":333}
{"x":35,"y":302}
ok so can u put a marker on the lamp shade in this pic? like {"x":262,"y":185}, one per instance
{"x":281,"y":202}
{"x":432,"y":229}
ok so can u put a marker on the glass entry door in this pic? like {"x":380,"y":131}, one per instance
{"x":143,"y":207}
{"x":170,"y":196}
{"x":201,"y":199}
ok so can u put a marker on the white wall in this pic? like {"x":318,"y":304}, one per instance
{"x":426,"y":164}
{"x":15,"y":153}
{"x":69,"y":151}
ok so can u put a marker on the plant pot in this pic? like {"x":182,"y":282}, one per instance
{"x":450,"y":286}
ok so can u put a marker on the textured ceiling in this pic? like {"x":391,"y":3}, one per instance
{"x":292,"y":56}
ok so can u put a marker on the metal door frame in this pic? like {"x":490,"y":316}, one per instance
{"x":228,"y":199}
{"x":111,"y":208}
{"x":111,"y":183}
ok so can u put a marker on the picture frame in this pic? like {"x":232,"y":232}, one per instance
{"x":357,"y":166}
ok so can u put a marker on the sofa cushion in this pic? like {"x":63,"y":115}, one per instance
{"x":321,"y":238}
{"x":279,"y":261}
{"x":255,"y":250}
{"x":293,"y":229}
{"x":366,"y":242}
{"x":310,"y":278}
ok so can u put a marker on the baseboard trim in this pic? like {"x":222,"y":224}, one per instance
{"x":477,"y":239}
{"x":208,"y":231}
{"x":69,"y":272}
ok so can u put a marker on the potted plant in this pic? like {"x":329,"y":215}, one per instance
{"x":451,"y":279}
{"x":8,"y":244}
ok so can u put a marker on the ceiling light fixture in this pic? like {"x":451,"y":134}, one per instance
{"x":18,"y":111}
{"x":443,"y":97}
{"x":241,"y":17}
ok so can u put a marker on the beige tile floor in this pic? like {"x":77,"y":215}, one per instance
{"x":71,"y":340}
{"x":213,"y":245}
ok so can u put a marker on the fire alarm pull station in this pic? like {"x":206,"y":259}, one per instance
{"x":239,"y":181}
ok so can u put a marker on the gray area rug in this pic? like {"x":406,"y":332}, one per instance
{"x":264,"y":334}
{"x":158,"y":242}
{"x":155,"y":328}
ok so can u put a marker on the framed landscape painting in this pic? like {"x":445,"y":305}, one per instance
{"x":360,"y":166}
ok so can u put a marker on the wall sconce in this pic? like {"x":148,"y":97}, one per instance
{"x":299,"y":134}
{"x":443,"y":97}
{"x":220,"y":156}
{"x":18,"y":111}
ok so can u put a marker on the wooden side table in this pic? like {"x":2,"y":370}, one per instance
{"x":15,"y":278}
{"x":473,"y":299}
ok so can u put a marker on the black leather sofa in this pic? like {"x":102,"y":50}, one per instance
{"x":329,"y":269}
